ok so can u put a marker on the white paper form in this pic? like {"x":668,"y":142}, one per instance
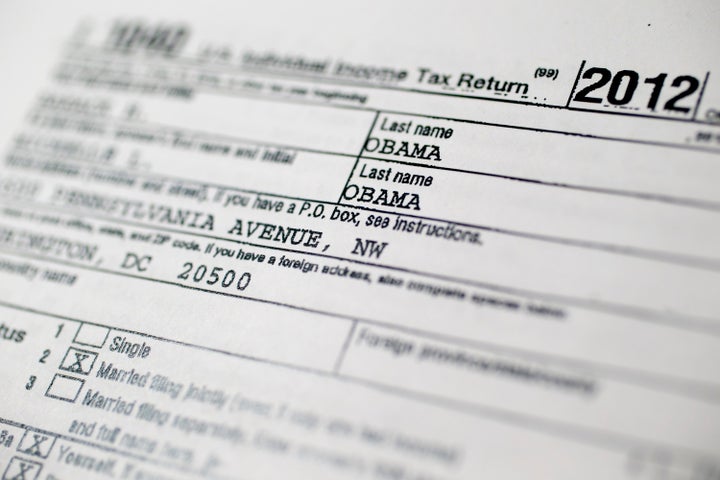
{"x":408,"y":241}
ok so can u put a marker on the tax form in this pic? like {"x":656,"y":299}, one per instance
{"x":378,"y":240}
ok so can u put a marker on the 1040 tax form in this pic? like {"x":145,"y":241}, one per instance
{"x":380,"y":240}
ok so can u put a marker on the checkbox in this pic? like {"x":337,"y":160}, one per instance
{"x":91,"y":335}
{"x":63,"y":387}
{"x":78,"y":361}
{"x":21,"y":469}
{"x":36,"y":444}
